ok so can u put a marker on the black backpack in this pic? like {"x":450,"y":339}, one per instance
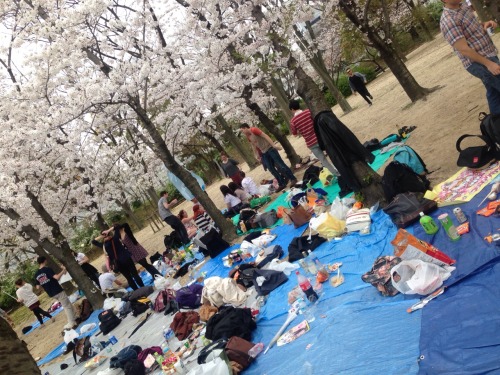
{"x":172,"y":240}
{"x":400,"y":178}
{"x":311,"y":176}
{"x":490,"y":129}
{"x":108,"y":321}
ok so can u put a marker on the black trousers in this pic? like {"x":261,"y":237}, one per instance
{"x":149,"y":267}
{"x":365,"y":95}
{"x":39,"y":313}
{"x":91,"y":273}
{"x":128,"y":270}
{"x":177,"y":225}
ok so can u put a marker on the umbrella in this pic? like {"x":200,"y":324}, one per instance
{"x":292,"y":314}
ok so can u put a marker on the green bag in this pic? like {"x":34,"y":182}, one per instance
{"x":257,"y":202}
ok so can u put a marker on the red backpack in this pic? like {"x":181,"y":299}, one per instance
{"x":163,"y":299}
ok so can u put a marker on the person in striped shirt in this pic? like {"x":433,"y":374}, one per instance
{"x":302,"y":123}
{"x":473,"y":46}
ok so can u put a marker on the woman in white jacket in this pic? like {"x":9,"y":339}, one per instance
{"x":26,"y":296}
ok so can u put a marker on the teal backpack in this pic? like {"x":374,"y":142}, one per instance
{"x":407,"y":155}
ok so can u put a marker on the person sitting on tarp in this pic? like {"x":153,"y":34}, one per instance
{"x":233,"y":203}
{"x":239,"y":192}
{"x":249,"y":185}
{"x":188,"y":223}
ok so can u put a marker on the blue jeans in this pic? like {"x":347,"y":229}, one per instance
{"x":491,"y":82}
{"x":277,"y":166}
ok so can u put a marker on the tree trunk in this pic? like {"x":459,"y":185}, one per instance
{"x":370,"y":181}
{"x":318,"y":64}
{"x":125,"y":205}
{"x":386,"y":50}
{"x":486,"y":10}
{"x":101,"y":223}
{"x":50,"y":261}
{"x":152,"y":194}
{"x":218,"y":146}
{"x":271,"y":126}
{"x":159,"y":147}
{"x":281,"y":98}
{"x":59,"y":248}
{"x":244,"y":151}
{"x":15,"y":359}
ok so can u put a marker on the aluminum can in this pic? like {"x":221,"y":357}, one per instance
{"x":459,"y":214}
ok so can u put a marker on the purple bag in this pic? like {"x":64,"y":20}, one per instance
{"x":189,"y":297}
{"x":154,"y":349}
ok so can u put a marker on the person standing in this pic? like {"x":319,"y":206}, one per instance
{"x":29,"y":299}
{"x":231,"y":169}
{"x":136,"y":250}
{"x":168,"y":217}
{"x":474,"y":47}
{"x":118,"y":258}
{"x":46,"y":278}
{"x":303,"y":124}
{"x":357,"y":83}
{"x":265,"y":151}
{"x":88,"y":268}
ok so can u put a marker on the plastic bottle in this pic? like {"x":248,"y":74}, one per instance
{"x":256,"y":350}
{"x":96,"y":345}
{"x":306,"y":287}
{"x":429,"y":225}
{"x":448,"y":226}
{"x":311,"y":262}
{"x":159,"y":358}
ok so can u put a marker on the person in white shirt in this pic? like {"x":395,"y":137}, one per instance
{"x":249,"y":185}
{"x":106,"y":279}
{"x":233,"y":203}
{"x":29,"y":299}
{"x":88,"y":268}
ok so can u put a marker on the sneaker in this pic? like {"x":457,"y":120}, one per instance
{"x":280,"y":188}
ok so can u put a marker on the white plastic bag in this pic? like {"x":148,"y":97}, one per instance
{"x":110,"y":303}
{"x":215,"y":367}
{"x":418,"y":277}
{"x":264,"y":240}
{"x":286,"y":267}
{"x":161,"y":266}
{"x":87,"y":328}
{"x":70,"y":335}
{"x":338,"y":209}
{"x":161,"y":283}
{"x":250,"y":248}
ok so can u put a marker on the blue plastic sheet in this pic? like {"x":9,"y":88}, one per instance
{"x":36,"y":324}
{"x":356,"y":330}
{"x":458,"y":328}
{"x":59,"y":350}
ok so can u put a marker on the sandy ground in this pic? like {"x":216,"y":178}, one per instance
{"x":447,"y":113}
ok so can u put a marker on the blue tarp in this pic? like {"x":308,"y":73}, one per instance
{"x":459,"y":328}
{"x":356,"y":329}
{"x":59,"y":350}
{"x":36,"y":323}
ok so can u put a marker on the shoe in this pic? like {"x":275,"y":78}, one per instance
{"x":293,"y":182}
{"x":280,"y":188}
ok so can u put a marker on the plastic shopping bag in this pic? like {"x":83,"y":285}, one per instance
{"x":327,"y":226}
{"x":338,"y":209}
{"x":418,"y":277}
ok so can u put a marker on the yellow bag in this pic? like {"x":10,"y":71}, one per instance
{"x":325,"y":177}
{"x":327,"y":226}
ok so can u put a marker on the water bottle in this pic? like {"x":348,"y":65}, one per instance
{"x":429,"y":225}
{"x":448,"y":226}
{"x":306,"y":287}
{"x":96,"y":345}
{"x":256,"y":350}
{"x":311,"y":262}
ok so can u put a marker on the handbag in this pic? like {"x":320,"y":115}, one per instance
{"x":475,"y":157}
{"x":298,"y":216}
{"x":237,"y":351}
{"x":358,"y":220}
{"x":265,"y":219}
{"x":405,"y":208}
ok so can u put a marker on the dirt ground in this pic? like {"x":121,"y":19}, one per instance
{"x":447,"y":113}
